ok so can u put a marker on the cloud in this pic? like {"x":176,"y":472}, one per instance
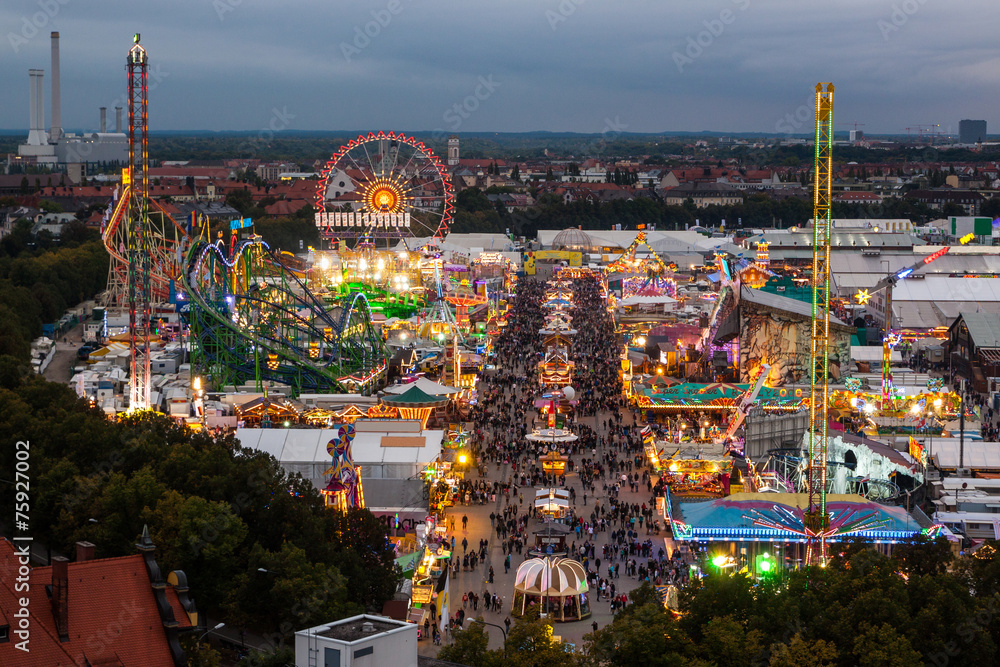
{"x":227,"y":68}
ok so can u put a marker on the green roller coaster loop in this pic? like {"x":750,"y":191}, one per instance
{"x":253,"y":320}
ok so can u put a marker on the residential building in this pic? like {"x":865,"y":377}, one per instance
{"x":703,"y":194}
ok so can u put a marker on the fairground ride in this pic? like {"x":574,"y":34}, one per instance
{"x":889,"y":338}
{"x":384,"y":186}
{"x":816,"y":521}
{"x":253,"y":320}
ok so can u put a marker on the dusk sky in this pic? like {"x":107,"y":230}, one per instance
{"x":575,"y":65}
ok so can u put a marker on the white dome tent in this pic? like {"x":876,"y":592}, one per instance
{"x":556,"y":585}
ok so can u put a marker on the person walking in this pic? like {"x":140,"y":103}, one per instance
{"x":465,"y":522}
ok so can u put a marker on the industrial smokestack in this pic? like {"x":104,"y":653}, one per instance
{"x":36,"y":110}
{"x":118,"y":120}
{"x":40,"y":103}
{"x":56,"y":132}
{"x":104,"y":119}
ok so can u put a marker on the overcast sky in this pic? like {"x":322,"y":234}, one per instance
{"x":512,"y":65}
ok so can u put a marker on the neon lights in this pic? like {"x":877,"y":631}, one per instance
{"x":930,"y":258}
{"x":967,"y":238}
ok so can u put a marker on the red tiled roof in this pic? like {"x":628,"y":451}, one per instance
{"x":285,"y":207}
{"x":112,"y":615}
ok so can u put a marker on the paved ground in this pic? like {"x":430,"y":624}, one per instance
{"x":477,"y":581}
{"x":60,"y":369}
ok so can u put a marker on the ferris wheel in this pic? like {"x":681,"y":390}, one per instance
{"x":384,"y":186}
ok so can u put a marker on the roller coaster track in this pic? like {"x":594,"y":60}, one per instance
{"x":166,"y":238}
{"x":253,"y":320}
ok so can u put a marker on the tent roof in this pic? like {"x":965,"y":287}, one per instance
{"x":427,"y":386}
{"x":414,"y":397}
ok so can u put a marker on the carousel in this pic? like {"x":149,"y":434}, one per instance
{"x":557,"y":587}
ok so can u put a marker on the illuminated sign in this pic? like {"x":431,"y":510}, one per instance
{"x":491,"y":258}
{"x":241,"y":223}
{"x":917,"y":452}
{"x":967,"y":238}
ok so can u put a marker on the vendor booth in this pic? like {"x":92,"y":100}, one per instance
{"x":552,"y":504}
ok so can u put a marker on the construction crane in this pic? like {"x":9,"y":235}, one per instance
{"x":888,"y":338}
{"x":920,"y":129}
{"x":136,"y":175}
{"x":816,"y":521}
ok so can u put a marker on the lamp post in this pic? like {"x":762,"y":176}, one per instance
{"x":217,"y":626}
{"x":499,"y":627}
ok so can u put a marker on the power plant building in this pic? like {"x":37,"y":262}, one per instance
{"x":58,"y":147}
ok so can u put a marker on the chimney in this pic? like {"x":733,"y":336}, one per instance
{"x":84,"y":551}
{"x":118,"y":120}
{"x":56,"y":132}
{"x":40,"y":104}
{"x":36,"y":110}
{"x":104,"y":119}
{"x":60,"y":596}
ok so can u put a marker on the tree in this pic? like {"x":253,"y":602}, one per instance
{"x":291,"y":593}
{"x":922,"y":557}
{"x":728,"y":643}
{"x":883,"y":646}
{"x":990,"y":207}
{"x":641,"y":634}
{"x":471,"y":647}
{"x":358,"y":543}
{"x":529,"y":644}
{"x":472,"y":200}
{"x":277,"y":656}
{"x":801,"y":652}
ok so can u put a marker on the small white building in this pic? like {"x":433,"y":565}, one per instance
{"x":359,"y":641}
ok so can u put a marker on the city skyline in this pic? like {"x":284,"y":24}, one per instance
{"x":571,"y":66}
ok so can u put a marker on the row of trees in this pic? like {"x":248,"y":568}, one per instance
{"x":920,"y":606}
{"x":40,"y":277}
{"x":214,"y":510}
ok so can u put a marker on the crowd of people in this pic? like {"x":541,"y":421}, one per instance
{"x":606,"y":530}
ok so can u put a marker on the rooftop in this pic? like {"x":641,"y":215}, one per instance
{"x":984,"y":328}
{"x":353,"y":629}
